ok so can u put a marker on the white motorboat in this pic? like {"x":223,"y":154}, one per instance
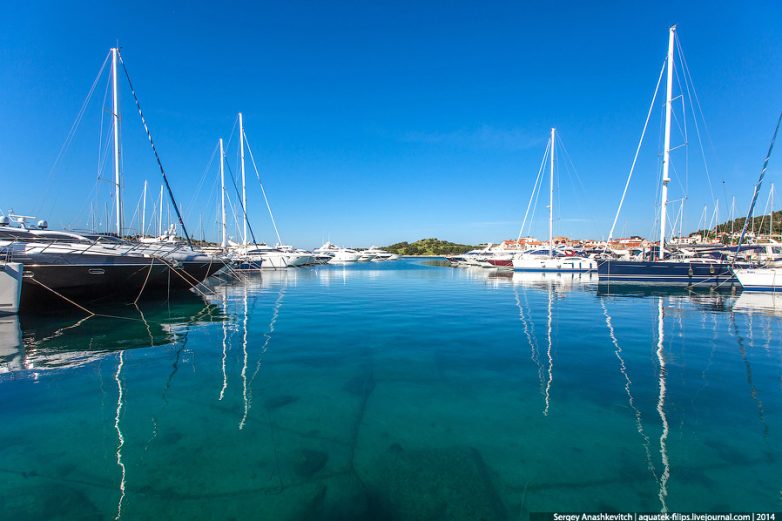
{"x":338,"y":255}
{"x":262,"y":256}
{"x":10,"y":286}
{"x":380,"y":255}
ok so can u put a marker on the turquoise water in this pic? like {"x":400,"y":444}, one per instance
{"x":394,"y":391}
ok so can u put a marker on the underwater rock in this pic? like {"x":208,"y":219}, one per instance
{"x":434,"y":484}
{"x":275,"y":402}
{"x":52,"y":501}
{"x":360,"y":385}
{"x":309,"y":462}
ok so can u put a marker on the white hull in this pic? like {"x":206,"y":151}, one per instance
{"x":553,"y":264}
{"x":10,"y":286}
{"x":343,"y":256}
{"x":760,"y":279}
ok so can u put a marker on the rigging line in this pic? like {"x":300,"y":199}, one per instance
{"x":154,"y":149}
{"x":574,"y":178}
{"x":258,"y":175}
{"x":535,"y":206}
{"x":695,"y":96}
{"x":532,"y":195}
{"x":569,"y":161}
{"x":690,"y":96}
{"x":241,"y":205}
{"x":637,"y":152}
{"x":202,"y":180}
{"x":74,"y":126}
{"x":757,"y":188}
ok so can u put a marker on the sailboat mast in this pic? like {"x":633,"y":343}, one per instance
{"x":667,"y":143}
{"x":244,"y":182}
{"x":144,"y":212}
{"x":224,"y":242}
{"x":160,"y":216}
{"x":771,"y":214}
{"x":551,"y":200}
{"x":115,"y":111}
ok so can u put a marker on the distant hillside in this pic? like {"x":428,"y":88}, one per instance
{"x":429,"y":247}
{"x":759,"y":225}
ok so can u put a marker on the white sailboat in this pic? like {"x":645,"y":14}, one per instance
{"x":769,"y":277}
{"x":552,"y":259}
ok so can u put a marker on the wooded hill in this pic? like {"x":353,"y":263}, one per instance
{"x":429,"y":247}
{"x":758,"y":225}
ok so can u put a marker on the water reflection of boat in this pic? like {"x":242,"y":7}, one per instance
{"x":562,"y":281}
{"x":757,"y":302}
{"x":662,"y":477}
{"x":543,"y":280}
{"x":11,"y":359}
{"x":553,"y":284}
{"x":711,"y":299}
{"x":70,"y":340}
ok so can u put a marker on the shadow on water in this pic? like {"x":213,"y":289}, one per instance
{"x":71,"y":338}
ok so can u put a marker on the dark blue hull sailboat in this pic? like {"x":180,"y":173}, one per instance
{"x":666,"y":272}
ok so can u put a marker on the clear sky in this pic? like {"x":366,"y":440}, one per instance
{"x":376,"y":122}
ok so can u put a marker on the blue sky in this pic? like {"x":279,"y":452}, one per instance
{"x":375,"y":122}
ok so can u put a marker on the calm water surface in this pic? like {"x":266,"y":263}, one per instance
{"x":394,"y":391}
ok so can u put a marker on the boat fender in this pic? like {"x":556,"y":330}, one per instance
{"x":711,"y":269}
{"x":689,"y":271}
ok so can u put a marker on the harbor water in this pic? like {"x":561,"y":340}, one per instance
{"x":394,"y":391}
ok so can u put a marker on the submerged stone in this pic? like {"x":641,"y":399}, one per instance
{"x":434,"y":484}
{"x":360,"y":385}
{"x":275,"y":402}
{"x":309,"y":462}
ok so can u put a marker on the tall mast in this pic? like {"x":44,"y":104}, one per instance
{"x":716,"y":218}
{"x":115,"y":110}
{"x":144,"y":212}
{"x":224,"y":242}
{"x":667,"y":143}
{"x":244,"y":184}
{"x":160,"y":216}
{"x":771,"y":215}
{"x":551,"y":200}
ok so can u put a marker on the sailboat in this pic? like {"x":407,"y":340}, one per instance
{"x":769,"y":277}
{"x":662,"y":268}
{"x":249,"y":254}
{"x":552,"y":259}
{"x":63,"y":268}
